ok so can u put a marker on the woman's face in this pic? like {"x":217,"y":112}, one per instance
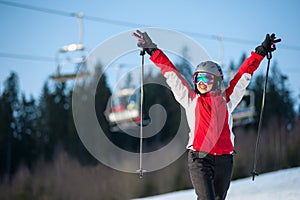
{"x":204,"y":88}
{"x":204,"y":82}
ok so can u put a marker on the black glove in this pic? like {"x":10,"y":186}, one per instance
{"x":268,"y":45}
{"x":145,"y":42}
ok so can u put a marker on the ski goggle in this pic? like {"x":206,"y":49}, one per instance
{"x":204,"y":77}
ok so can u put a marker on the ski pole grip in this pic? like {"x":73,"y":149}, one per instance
{"x":269,"y":55}
{"x":142,"y":52}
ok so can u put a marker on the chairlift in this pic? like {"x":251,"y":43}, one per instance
{"x":245,"y":111}
{"x":69,"y":56}
{"x":124,"y":107}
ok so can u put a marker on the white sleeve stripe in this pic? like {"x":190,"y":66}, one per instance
{"x":238,"y":91}
{"x":180,"y":91}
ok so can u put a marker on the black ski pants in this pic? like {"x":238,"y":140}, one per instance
{"x":210,"y":175}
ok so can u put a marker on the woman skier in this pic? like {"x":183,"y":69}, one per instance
{"x":208,"y":108}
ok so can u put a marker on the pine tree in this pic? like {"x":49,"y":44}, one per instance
{"x":8,"y":126}
{"x":53,"y":109}
{"x":279,"y":102}
{"x":27,"y":128}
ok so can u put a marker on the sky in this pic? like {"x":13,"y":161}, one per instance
{"x":33,"y":31}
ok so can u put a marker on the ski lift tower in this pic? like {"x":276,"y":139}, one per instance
{"x":72,"y":55}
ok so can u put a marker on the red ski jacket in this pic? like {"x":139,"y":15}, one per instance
{"x":209,"y":116}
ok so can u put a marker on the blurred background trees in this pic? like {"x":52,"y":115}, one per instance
{"x":41,"y":155}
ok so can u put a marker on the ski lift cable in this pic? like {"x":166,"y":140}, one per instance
{"x":27,"y":57}
{"x":134,"y":25}
{"x":39,"y":9}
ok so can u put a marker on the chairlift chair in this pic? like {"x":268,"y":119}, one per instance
{"x":245,"y":111}
{"x":72,"y":54}
{"x":65,"y":56}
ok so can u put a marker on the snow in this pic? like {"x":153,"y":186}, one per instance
{"x":283,"y":184}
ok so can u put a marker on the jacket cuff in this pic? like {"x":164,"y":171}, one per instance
{"x":261,"y":50}
{"x":257,"y":56}
{"x":154,"y":54}
{"x":254,"y":63}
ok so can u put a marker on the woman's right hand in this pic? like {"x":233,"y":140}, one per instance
{"x":145,"y":42}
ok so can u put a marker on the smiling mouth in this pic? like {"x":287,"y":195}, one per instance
{"x":202,"y":86}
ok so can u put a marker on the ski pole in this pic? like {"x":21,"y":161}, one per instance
{"x":140,"y":170}
{"x":254,"y":172}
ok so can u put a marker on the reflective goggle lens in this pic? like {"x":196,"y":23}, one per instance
{"x":204,"y":77}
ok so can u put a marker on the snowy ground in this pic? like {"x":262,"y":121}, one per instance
{"x":283,"y":184}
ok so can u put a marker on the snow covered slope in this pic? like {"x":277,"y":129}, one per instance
{"x":283,"y":184}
